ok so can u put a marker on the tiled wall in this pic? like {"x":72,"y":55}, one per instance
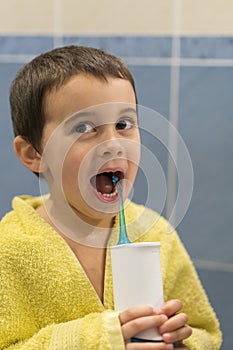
{"x":122,"y":17}
{"x":181,"y":55}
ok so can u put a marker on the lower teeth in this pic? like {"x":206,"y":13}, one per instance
{"x":109,"y":195}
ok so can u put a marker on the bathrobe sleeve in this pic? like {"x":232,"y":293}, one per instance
{"x":94,"y":331}
{"x":181,"y":282}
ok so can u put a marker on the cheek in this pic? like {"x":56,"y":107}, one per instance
{"x":134,"y":152}
{"x":70,"y":167}
{"x":134,"y":158}
{"x":133,"y":172}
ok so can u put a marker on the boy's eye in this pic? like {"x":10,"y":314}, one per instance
{"x":125,"y":123}
{"x":83,"y":128}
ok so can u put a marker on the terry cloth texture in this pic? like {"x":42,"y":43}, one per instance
{"x":48,"y":303}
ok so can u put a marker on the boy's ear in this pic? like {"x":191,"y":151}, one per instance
{"x":28,"y":155}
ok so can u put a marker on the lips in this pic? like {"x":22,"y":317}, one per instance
{"x":103,"y":184}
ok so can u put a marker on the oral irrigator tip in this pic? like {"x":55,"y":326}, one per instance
{"x":115,"y":179}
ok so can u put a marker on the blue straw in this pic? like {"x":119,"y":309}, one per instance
{"x":123,"y":238}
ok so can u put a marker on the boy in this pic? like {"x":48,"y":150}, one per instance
{"x":56,"y":286}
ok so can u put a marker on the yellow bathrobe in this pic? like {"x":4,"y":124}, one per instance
{"x":47,"y":301}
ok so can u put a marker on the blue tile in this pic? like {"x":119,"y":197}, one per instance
{"x":152,"y":85}
{"x":25,"y":45}
{"x":15,"y":179}
{"x":206,"y":125}
{"x":207,"y":47}
{"x":133,"y":46}
{"x":124,"y":46}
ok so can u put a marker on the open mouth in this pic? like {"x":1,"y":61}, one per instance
{"x":106,"y":189}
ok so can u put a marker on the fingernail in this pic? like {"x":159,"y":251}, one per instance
{"x":163,"y":318}
{"x":155,"y":311}
{"x":167,"y":337}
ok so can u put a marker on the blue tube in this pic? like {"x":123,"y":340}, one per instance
{"x":123,"y":237}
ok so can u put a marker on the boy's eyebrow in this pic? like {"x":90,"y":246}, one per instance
{"x":79,"y":115}
{"x":93,"y":114}
{"x":128,"y":110}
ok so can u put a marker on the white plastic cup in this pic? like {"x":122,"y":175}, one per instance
{"x":137,"y":279}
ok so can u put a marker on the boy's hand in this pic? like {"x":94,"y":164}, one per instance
{"x":175,"y":329}
{"x":137,"y":319}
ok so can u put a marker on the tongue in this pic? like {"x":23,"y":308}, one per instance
{"x":104,"y":183}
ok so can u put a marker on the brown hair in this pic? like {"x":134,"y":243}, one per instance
{"x":50,"y":71}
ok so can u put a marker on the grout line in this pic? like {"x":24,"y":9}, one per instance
{"x":173,"y":113}
{"x":173,"y":61}
{"x":140,"y":61}
{"x":211,"y":62}
{"x":147,"y":61}
{"x":213,"y":265}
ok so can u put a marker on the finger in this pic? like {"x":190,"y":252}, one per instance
{"x":174,"y":323}
{"x":179,"y":334}
{"x":180,"y":346}
{"x":136,"y":312}
{"x":171,"y":307}
{"x":137,"y":325}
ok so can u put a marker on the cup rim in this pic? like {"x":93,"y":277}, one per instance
{"x":136,"y":245}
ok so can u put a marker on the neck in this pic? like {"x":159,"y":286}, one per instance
{"x":69,"y":223}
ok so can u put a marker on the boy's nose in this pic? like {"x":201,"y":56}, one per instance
{"x":110,"y":148}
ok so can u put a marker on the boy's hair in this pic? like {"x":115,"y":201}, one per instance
{"x":49,"y":71}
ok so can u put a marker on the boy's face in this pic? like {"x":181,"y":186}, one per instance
{"x":101,"y":139}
